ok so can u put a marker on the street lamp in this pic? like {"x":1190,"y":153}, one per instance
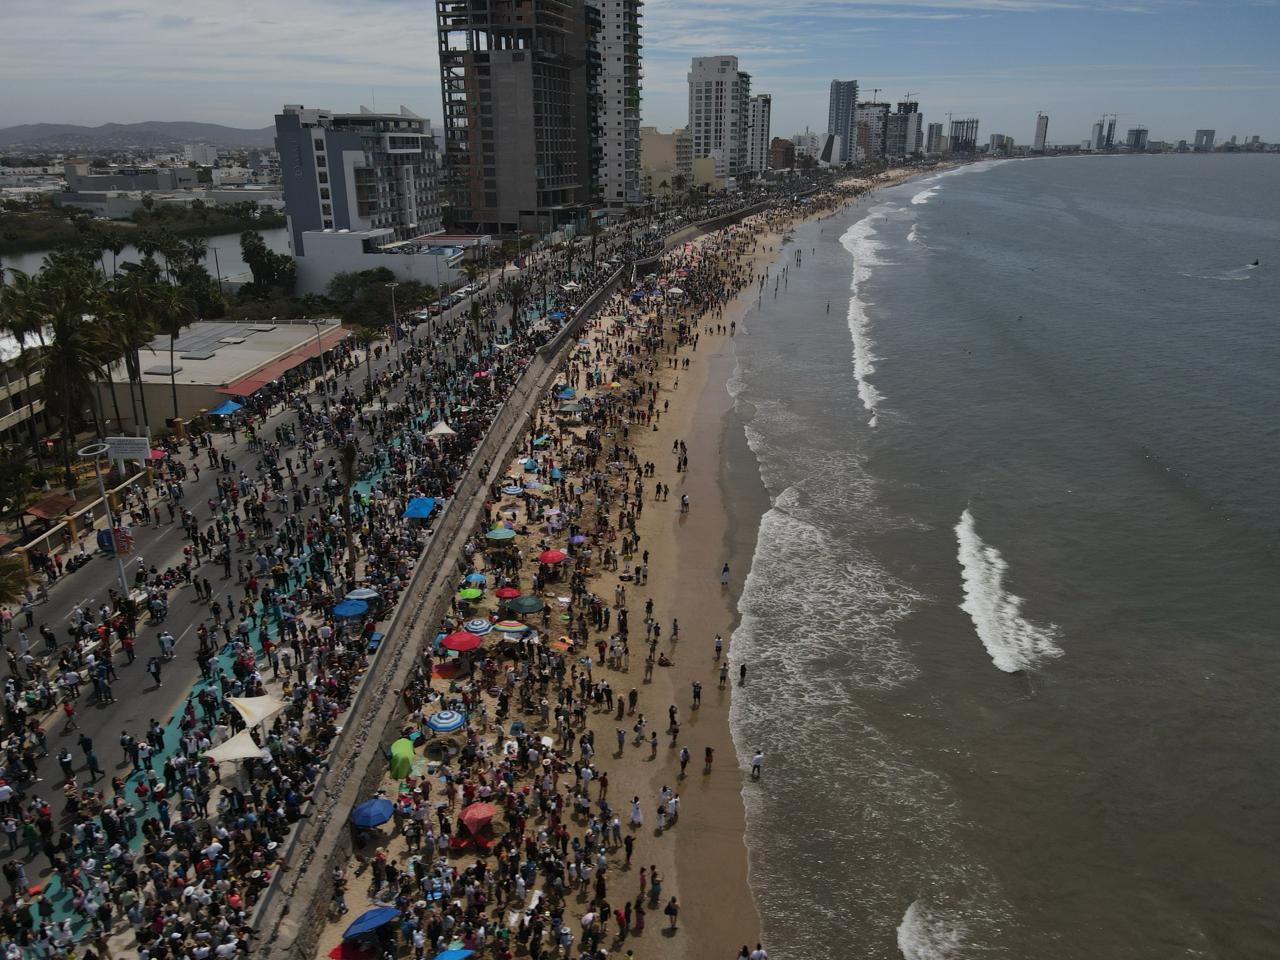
{"x":395,"y":319}
{"x":324,"y":369}
{"x":96,"y":450}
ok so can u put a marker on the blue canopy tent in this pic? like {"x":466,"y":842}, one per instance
{"x":348,"y":609}
{"x":372,"y":813}
{"x":454,"y":955}
{"x":419,"y":508}
{"x":226,"y":408}
{"x":370,"y":920}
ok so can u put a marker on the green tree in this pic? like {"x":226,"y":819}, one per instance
{"x":593,"y":231}
{"x":21,"y":318}
{"x":132,"y":318}
{"x":367,"y":337}
{"x":71,"y":363}
{"x":14,"y":579}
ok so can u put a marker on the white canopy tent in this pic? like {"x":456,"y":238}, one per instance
{"x":239,"y":747}
{"x":256,"y":710}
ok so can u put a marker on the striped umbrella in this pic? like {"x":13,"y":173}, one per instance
{"x":510,"y":626}
{"x":479,"y":626}
{"x":446,"y":721}
{"x":500,"y":533}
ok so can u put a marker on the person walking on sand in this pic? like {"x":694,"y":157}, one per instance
{"x":684,"y":760}
{"x":708,"y":757}
{"x":672,"y":910}
{"x":637,"y":815}
{"x":757,"y":762}
{"x":724,"y":576}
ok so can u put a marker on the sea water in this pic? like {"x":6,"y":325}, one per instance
{"x":1012,"y":619}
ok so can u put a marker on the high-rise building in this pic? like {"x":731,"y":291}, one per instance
{"x":842,"y":108}
{"x":518,"y":114}
{"x":684,"y":152}
{"x":904,"y":136}
{"x":782,"y":154}
{"x":618,"y":101}
{"x":1205,"y":139}
{"x":964,"y":136}
{"x":719,"y":112}
{"x":1096,"y":140}
{"x":807,"y":143}
{"x":759,"y":108}
{"x":1000,"y":143}
{"x":872,"y":131}
{"x":934,"y":142}
{"x":1042,"y":132}
{"x":357,"y":171}
{"x":1110,"y":140}
{"x":1136,"y":139}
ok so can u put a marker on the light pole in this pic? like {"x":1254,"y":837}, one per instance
{"x":324,"y":369}
{"x":395,"y":318}
{"x":94,"y":451}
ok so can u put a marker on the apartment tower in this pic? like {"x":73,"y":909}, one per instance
{"x":842,"y":106}
{"x":719,"y":112}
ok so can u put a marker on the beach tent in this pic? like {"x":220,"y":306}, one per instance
{"x":226,"y":408}
{"x":239,"y":747}
{"x":349,"y":609}
{"x":370,"y":920}
{"x":255,"y":710}
{"x":401,"y":758}
{"x":442,"y":429}
{"x":419,"y":508}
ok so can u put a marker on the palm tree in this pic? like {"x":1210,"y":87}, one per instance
{"x":131,"y":323}
{"x":20,"y":317}
{"x":71,"y":363}
{"x":593,"y":231}
{"x":176,"y":311}
{"x":365,"y":336}
{"x":513,"y":290}
{"x":348,"y":467}
{"x":14,"y":579}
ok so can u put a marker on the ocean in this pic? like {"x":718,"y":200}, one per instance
{"x":1013,"y":617}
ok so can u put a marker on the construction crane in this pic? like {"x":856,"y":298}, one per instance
{"x":909,"y":94}
{"x":875,"y":94}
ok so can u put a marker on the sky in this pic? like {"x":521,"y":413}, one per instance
{"x":1168,"y":65}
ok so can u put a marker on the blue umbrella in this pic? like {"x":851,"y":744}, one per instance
{"x":227,"y":408}
{"x":568,"y":393}
{"x":530,"y":465}
{"x":419,"y":508}
{"x":500,"y":533}
{"x":373,"y":812}
{"x":477,"y":578}
{"x":446,"y":721}
{"x":479,"y":626}
{"x":350,"y":608}
{"x":454,"y":955}
{"x":371,"y":920}
{"x":512,"y":490}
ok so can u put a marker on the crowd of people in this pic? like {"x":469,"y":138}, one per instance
{"x":168,"y":853}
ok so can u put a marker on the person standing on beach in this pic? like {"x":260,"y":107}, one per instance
{"x":724,"y":576}
{"x":757,"y":761}
{"x":708,"y":757}
{"x":684,"y":760}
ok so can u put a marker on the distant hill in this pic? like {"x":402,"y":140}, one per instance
{"x":156,"y":134}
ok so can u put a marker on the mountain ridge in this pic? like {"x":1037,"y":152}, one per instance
{"x":145,"y":133}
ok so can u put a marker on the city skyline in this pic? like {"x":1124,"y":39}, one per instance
{"x":1167,"y":67}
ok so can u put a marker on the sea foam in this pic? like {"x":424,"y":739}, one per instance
{"x":860,"y":241}
{"x":924,"y":195}
{"x":1013,"y":642}
{"x":925,"y":934}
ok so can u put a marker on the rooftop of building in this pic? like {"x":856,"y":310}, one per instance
{"x":220,"y":352}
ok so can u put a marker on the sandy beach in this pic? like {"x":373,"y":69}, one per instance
{"x":701,"y":857}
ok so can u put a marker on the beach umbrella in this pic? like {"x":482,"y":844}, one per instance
{"x":513,"y":490}
{"x":506,"y":593}
{"x":372,"y":813}
{"x":552,"y":556}
{"x":571,"y":285}
{"x":349,"y":609}
{"x":363,"y":593}
{"x":477,"y":578}
{"x":510,"y":626}
{"x":674,"y":292}
{"x":531,"y":465}
{"x":446,"y":721}
{"x":566,"y":393}
{"x":475,"y":817}
{"x":578,"y":538}
{"x":454,"y":955}
{"x":525,"y":605}
{"x":478,"y":625}
{"x":500,"y":533}
{"x":470,"y":595}
{"x":532,"y":486}
{"x":370,"y":920}
{"x":461,"y":641}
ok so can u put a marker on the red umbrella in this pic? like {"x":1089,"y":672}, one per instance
{"x":461,"y":641}
{"x":506,"y":593}
{"x":552,"y":556}
{"x":477,"y":816}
